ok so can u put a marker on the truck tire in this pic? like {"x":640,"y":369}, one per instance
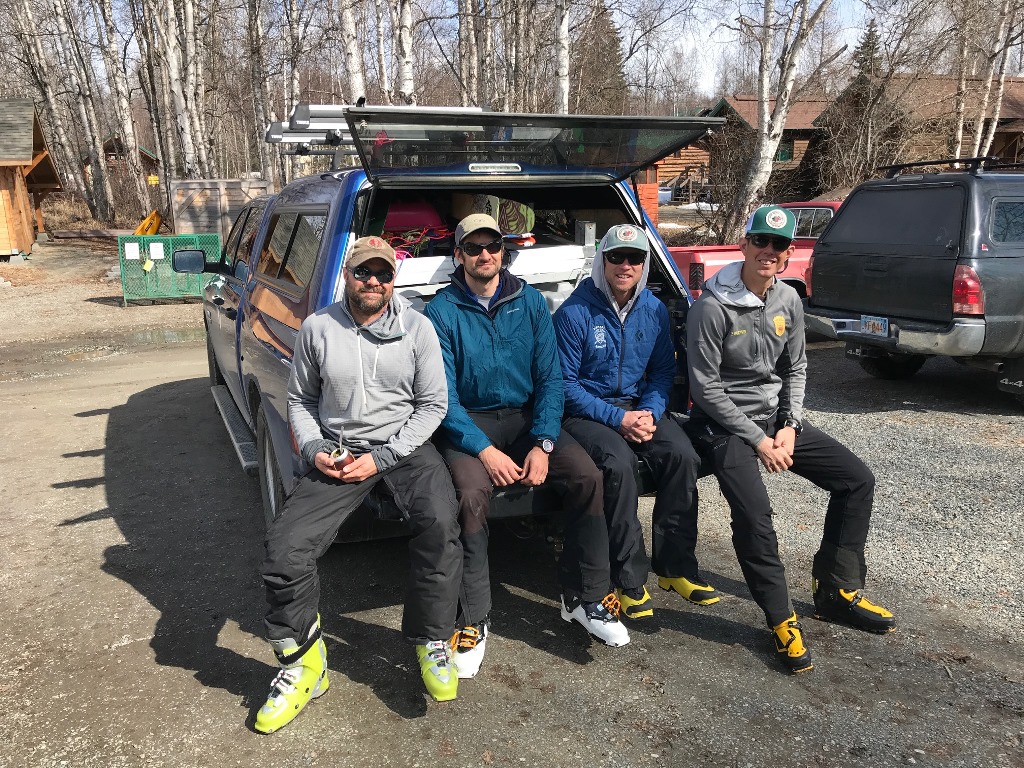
{"x":271,"y":487}
{"x":216,"y":377}
{"x":893,"y":367}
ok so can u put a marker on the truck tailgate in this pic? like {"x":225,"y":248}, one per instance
{"x":892,"y":252}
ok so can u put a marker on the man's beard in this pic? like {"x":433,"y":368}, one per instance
{"x":486,"y":273}
{"x":368,"y":303}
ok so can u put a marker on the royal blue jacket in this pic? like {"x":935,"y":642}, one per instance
{"x":607,"y":364}
{"x":504,"y":357}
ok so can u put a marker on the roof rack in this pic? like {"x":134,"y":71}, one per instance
{"x":974,"y":165}
{"x":1000,"y":166}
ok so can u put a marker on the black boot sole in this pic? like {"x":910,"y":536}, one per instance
{"x":853,"y":624}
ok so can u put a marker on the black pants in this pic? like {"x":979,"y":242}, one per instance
{"x":583,"y":565}
{"x":675,"y":467}
{"x":314,"y":512}
{"x":828,"y":464}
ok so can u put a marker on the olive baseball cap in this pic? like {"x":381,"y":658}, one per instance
{"x":625,"y":237}
{"x":772,"y":220}
{"x":474,"y":223}
{"x":372,"y":247}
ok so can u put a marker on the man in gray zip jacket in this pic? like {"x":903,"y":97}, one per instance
{"x":367,"y":381}
{"x":748,"y":366}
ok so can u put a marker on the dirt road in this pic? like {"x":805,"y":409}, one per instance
{"x":133,"y":608}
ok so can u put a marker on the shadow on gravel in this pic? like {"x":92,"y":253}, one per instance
{"x":837,"y":384}
{"x":192,"y":524}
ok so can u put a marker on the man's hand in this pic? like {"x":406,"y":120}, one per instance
{"x":785,"y":438}
{"x":359,"y":470}
{"x":326,"y":465}
{"x":775,"y":458}
{"x":535,"y":468}
{"x":500,"y":468}
{"x":637,"y":426}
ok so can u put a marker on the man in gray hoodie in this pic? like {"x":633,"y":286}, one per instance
{"x":367,"y":390}
{"x":748,"y":366}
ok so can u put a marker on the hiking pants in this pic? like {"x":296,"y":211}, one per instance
{"x":674,"y":465}
{"x":583,"y":564}
{"x":314,"y":512}
{"x":828,"y":464}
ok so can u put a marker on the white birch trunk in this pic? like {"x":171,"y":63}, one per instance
{"x":406,"y":80}
{"x":353,"y":52}
{"x":562,"y":57}
{"x":990,"y":75}
{"x":123,"y":107}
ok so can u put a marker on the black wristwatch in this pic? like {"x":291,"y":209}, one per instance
{"x":547,"y":445}
{"x":793,"y":424}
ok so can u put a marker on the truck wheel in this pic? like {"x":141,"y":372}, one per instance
{"x":216,"y":378}
{"x":893,"y":367}
{"x":271,"y":488}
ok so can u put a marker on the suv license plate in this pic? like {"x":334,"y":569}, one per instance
{"x":874,"y":326}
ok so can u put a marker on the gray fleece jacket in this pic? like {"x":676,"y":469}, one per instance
{"x":379,"y":389}
{"x":747,"y":357}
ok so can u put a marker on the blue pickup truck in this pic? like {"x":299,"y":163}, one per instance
{"x":555,"y":183}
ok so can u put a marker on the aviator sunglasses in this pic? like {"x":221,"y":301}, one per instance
{"x":634,"y":259}
{"x":475,"y":249}
{"x":761,"y":241}
{"x":363,"y":273}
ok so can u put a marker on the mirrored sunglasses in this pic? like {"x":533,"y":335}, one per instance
{"x":763,"y":241}
{"x":635,"y":258}
{"x":475,"y":249}
{"x":363,"y":273}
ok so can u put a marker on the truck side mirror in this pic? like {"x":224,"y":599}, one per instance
{"x":190,"y":261}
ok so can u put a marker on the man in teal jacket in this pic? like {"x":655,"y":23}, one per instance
{"x":503,"y":426}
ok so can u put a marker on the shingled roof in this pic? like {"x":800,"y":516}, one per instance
{"x":801,"y":116}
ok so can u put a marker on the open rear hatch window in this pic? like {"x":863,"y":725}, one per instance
{"x":892,"y":251}
{"x":418,"y":147}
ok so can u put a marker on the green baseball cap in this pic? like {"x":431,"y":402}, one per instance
{"x":625,"y":236}
{"x":772,"y":220}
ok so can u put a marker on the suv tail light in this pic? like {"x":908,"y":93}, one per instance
{"x":696,"y":277}
{"x":968,"y":295}
{"x":807,"y":275}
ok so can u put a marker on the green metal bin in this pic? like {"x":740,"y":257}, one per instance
{"x":146,"y":266}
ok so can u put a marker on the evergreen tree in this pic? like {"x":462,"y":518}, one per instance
{"x":867,"y":57}
{"x":599,"y":81}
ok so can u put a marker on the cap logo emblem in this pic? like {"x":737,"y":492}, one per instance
{"x":627,"y":234}
{"x":775,"y":219}
{"x":375,"y":242}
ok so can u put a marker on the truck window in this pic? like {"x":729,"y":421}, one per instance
{"x":1008,"y":221}
{"x":236,"y":235}
{"x":811,"y":222}
{"x":252,"y":228}
{"x":923,"y":216}
{"x":292,"y":246}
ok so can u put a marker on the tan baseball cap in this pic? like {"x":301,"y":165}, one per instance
{"x":372,"y":247}
{"x":474,"y":223}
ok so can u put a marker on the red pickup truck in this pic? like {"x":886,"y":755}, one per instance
{"x":698,"y":263}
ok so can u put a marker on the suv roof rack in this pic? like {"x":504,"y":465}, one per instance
{"x":1001,"y":166}
{"x":974,"y":164}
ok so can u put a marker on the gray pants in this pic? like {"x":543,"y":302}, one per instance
{"x":314,"y":512}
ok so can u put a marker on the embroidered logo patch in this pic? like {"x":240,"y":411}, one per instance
{"x":376,"y":242}
{"x":780,"y":324}
{"x":600,"y":340}
{"x":740,"y":332}
{"x":627,"y":234}
{"x":775,"y":219}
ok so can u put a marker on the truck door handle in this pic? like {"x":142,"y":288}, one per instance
{"x":231,"y":313}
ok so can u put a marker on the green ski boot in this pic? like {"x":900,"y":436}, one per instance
{"x":303,"y":676}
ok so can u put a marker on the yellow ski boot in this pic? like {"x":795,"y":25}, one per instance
{"x":303,"y":676}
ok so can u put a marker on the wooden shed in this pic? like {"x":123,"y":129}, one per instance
{"x":27,"y":175}
{"x":203,"y":206}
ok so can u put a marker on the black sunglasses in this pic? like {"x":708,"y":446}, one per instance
{"x":634,"y":259}
{"x":363,"y":273}
{"x":762,"y":241}
{"x":475,"y":249}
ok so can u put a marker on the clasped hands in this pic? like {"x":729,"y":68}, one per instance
{"x":637,"y":426}
{"x":503,"y":471}
{"x":777,"y":454}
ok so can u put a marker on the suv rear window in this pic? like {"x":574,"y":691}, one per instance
{"x":923,"y":216}
{"x":811,"y":222}
{"x":1008,"y":221}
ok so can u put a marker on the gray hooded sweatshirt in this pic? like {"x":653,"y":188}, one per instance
{"x":747,"y":357}
{"x":378,"y":388}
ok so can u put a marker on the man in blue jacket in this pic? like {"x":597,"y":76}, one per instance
{"x":615,"y":342}
{"x":503,"y":426}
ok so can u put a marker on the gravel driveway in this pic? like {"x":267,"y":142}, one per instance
{"x":129,"y":590}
